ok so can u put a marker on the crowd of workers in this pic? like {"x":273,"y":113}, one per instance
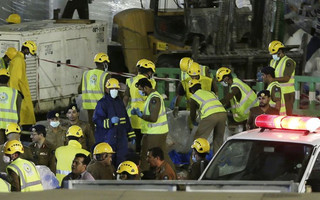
{"x":125,"y":137}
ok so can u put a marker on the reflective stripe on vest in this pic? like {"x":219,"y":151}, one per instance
{"x":137,"y":101}
{"x":272,"y":103}
{"x":240,"y":110}
{"x":63,"y":172}
{"x":205,"y":82}
{"x":8,"y":106}
{"x":29,"y":180}
{"x":92,"y":87}
{"x":208,"y":103}
{"x":161,"y":125}
{"x":287,"y":87}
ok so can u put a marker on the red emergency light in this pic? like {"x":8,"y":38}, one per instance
{"x":288,"y":122}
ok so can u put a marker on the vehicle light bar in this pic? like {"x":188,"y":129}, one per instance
{"x":288,"y":122}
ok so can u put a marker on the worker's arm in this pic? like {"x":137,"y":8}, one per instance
{"x":288,"y":71}
{"x":180,"y":93}
{"x":80,"y":87}
{"x":18,"y":104}
{"x":235,"y":92}
{"x":214,"y":86}
{"x":193,"y":110}
{"x":250,"y":121}
{"x":14,"y":180}
{"x":276,"y":96}
{"x":154,"y":108}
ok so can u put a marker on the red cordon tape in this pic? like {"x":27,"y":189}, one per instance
{"x":124,"y":74}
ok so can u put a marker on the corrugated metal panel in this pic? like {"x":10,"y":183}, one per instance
{"x":32,"y":66}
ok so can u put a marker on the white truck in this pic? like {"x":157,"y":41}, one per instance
{"x":54,"y":85}
{"x":281,"y":156}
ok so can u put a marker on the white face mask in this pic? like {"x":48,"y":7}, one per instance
{"x":6,"y":159}
{"x":275,"y":57}
{"x":105,"y":65}
{"x":28,"y":55}
{"x":142,"y":93}
{"x":54,"y":124}
{"x":113,"y":93}
{"x":224,"y":84}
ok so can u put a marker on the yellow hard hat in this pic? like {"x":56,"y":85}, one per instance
{"x":274,"y":46}
{"x":14,"y":18}
{"x":11,"y":52}
{"x":31,"y":45}
{"x":201,"y":145}
{"x":103,"y":147}
{"x":129,"y":167}
{"x":193,"y":82}
{"x":185,"y":63}
{"x":222,"y":71}
{"x":143,"y":60}
{"x":101,"y":57}
{"x":194,"y":69}
{"x":148,"y":65}
{"x":112,"y":83}
{"x":12,"y":128}
{"x":5,"y":72}
{"x":75,"y":131}
{"x":12,"y":147}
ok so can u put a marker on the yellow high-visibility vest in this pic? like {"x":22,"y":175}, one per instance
{"x":161,"y":125}
{"x":8,"y":106}
{"x":93,"y":87}
{"x":272,"y":103}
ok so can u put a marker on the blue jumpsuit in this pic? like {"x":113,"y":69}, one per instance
{"x":114,"y":134}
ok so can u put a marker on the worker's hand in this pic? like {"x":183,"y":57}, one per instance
{"x":134,"y":111}
{"x":195,"y":123}
{"x":175,"y":111}
{"x":115,"y":120}
{"x":132,"y":140}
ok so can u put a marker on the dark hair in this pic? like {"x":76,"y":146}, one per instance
{"x":144,"y":82}
{"x":157,"y":152}
{"x":264,"y":92}
{"x":86,"y":159}
{"x":227,"y":75}
{"x":4,"y":79}
{"x":73,"y":107}
{"x":268,"y":70}
{"x":71,"y":137}
{"x":143,"y":70}
{"x":201,"y":155}
{"x":39,"y":129}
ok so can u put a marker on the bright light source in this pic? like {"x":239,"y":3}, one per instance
{"x":288,"y":122}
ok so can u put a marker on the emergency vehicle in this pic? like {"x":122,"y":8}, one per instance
{"x":280,"y":156}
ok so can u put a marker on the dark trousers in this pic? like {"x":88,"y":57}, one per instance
{"x":289,"y":100}
{"x":80,"y":5}
{"x":138,"y":139}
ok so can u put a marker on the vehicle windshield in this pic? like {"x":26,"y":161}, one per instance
{"x":259,"y":160}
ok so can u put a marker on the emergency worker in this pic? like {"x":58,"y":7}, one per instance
{"x":102,"y":168}
{"x":4,"y":186}
{"x":200,"y":149}
{"x":112,"y":122}
{"x":13,"y":132}
{"x":22,"y":174}
{"x":10,"y":103}
{"x":65,"y":154}
{"x":277,"y":98}
{"x":132,"y":97}
{"x":128,"y":170}
{"x":241,"y":97}
{"x":87,"y":141}
{"x":18,"y":80}
{"x":184,"y":65}
{"x":154,"y":124}
{"x":14,"y":19}
{"x":163,"y":170}
{"x":207,"y":84}
{"x":42,"y":150}
{"x":56,"y":133}
{"x":93,"y":83}
{"x":284,"y":72}
{"x":8,"y":56}
{"x":263,"y":108}
{"x":213,"y":114}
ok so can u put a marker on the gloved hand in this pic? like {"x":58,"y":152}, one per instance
{"x":136,"y":111}
{"x":132,"y":140}
{"x":115,"y":120}
{"x":195,"y":123}
{"x":175,"y":111}
{"x":133,"y":111}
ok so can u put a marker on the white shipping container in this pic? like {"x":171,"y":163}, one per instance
{"x":53,"y":85}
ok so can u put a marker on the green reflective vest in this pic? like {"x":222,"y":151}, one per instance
{"x":137,"y":101}
{"x":287,"y":87}
{"x":272,"y":103}
{"x":93,"y":87}
{"x":206,"y":84}
{"x":240,"y":109}
{"x":29,"y":176}
{"x":8,"y":106}
{"x":208,"y":103}
{"x":65,"y":155}
{"x":4,"y":186}
{"x":161,"y":125}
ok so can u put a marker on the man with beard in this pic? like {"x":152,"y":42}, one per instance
{"x":263,"y":108}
